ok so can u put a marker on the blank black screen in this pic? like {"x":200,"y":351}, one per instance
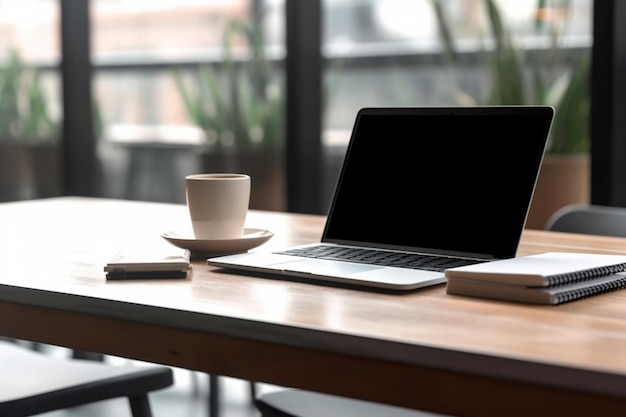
{"x":453,"y":180}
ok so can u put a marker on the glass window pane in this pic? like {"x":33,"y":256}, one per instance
{"x":433,"y":52}
{"x":30,"y":106}
{"x":390,"y":52}
{"x":186,"y":87}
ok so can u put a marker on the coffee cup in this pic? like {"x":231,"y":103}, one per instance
{"x":218,"y":204}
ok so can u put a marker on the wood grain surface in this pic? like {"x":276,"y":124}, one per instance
{"x":423,"y":349}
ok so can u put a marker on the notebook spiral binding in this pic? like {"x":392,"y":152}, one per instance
{"x":589,"y":291}
{"x":585,"y":274}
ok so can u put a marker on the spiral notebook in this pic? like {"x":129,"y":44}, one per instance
{"x":547,"y":278}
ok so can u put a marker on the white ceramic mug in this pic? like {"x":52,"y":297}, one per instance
{"x":218,"y":204}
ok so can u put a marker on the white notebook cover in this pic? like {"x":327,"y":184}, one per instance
{"x":542,"y":270}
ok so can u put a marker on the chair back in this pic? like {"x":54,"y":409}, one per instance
{"x":589,"y":219}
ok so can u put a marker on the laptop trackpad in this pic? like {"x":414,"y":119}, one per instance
{"x":339,"y":268}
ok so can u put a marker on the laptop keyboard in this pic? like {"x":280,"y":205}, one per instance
{"x":380,"y":257}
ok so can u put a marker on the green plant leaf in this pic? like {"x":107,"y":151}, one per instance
{"x":570,"y":130}
{"x":520,"y":77}
{"x":237,"y":100}
{"x":24,"y":110}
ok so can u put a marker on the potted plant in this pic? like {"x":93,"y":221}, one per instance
{"x":29,"y":155}
{"x":546,"y":76}
{"x":566,"y":169}
{"x":240,"y":108}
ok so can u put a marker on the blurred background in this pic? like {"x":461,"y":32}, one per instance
{"x":122,"y":98}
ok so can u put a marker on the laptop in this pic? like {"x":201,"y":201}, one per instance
{"x":420,"y":190}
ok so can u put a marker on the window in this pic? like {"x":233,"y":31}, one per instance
{"x":30,"y":106}
{"x":376,"y":53}
{"x":187,"y":87}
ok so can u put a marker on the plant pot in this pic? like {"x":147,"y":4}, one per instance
{"x":17,"y":176}
{"x":563,"y":180}
{"x":46,"y":159}
{"x":29,"y":170}
{"x":265,"y":166}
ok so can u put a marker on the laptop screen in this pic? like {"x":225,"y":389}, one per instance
{"x":443,"y":180}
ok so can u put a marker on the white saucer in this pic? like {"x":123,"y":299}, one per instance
{"x":251,"y":238}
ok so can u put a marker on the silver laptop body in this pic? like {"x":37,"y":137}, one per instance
{"x":452,"y":185}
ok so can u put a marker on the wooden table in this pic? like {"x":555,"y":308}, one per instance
{"x":425,"y":350}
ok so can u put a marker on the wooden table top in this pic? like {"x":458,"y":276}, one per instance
{"x":424,"y":349}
